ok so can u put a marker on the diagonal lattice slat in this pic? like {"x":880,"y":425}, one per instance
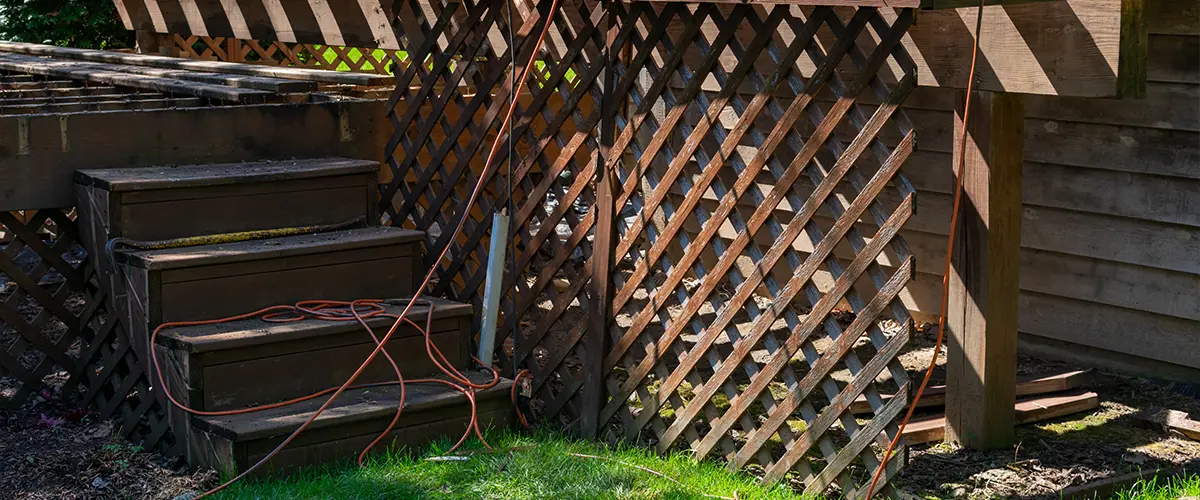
{"x":726,"y":336}
{"x":446,"y":112}
{"x":57,"y":339}
{"x":277,"y":53}
{"x":757,"y":264}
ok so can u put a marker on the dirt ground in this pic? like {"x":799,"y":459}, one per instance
{"x":1055,"y":454}
{"x":52,"y":451}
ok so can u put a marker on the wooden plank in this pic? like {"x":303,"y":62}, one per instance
{"x":1135,"y":41}
{"x":1172,"y":421}
{"x":932,"y":428}
{"x":245,"y":251}
{"x":221,"y":174}
{"x":58,"y":146}
{"x":935,"y":395}
{"x":77,"y":71}
{"x":982,"y":312}
{"x":105,"y":105}
{"x":314,"y":75}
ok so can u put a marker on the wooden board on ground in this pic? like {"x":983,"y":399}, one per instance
{"x":314,"y":75}
{"x":932,"y":428}
{"x":1173,"y":421}
{"x":935,"y":395}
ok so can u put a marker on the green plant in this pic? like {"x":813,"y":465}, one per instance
{"x":91,"y":24}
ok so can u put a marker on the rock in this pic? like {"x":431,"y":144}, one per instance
{"x":99,"y":483}
{"x":187,"y":495}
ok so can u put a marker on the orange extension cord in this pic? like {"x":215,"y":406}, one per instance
{"x":958,"y":190}
{"x":345,"y":311}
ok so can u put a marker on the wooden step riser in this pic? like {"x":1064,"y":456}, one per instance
{"x":344,"y":443}
{"x":279,"y":371}
{"x":151,"y":298}
{"x":176,"y":213}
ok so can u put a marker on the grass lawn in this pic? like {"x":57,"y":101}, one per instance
{"x":541,"y":468}
{"x":1173,"y":489}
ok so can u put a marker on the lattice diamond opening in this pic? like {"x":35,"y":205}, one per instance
{"x":750,"y":209}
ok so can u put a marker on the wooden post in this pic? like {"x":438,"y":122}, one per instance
{"x":982,"y":315}
{"x":603,"y":247}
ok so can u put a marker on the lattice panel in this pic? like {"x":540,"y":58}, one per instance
{"x":750,"y":210}
{"x":439,"y":148}
{"x":276,"y":53}
{"x":57,"y":339}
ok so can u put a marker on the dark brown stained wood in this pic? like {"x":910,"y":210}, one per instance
{"x":167,"y":137}
{"x":270,"y":210}
{"x":354,"y":406}
{"x":182,"y":176}
{"x":983,"y":295}
{"x":115,"y":95}
{"x":1173,"y":17}
{"x":55,"y":92}
{"x":225,"y":384}
{"x":1131,"y":81}
{"x":242,"y":335}
{"x":1117,"y":361}
{"x":246,"y":291}
{"x":81,"y":71}
{"x":935,"y":395}
{"x":111,"y":105}
{"x":203,"y":66}
{"x":1173,"y":59}
{"x":269,"y":249}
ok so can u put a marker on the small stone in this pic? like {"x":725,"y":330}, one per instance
{"x":99,"y":483}
{"x":187,"y":495}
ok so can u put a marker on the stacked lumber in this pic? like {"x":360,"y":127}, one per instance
{"x":1045,"y":397}
{"x":219,"y":81}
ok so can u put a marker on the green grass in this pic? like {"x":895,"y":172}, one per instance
{"x":1172,"y":489}
{"x":542,"y":468}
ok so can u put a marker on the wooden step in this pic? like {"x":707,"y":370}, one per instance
{"x":208,"y":366}
{"x":155,"y":203}
{"x":232,"y":444}
{"x":217,"y":281}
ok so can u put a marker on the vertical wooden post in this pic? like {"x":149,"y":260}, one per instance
{"x":603,"y":247}
{"x":982,"y":315}
{"x":233,"y":50}
{"x":149,"y":42}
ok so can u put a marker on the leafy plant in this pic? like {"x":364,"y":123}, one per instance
{"x":91,"y":24}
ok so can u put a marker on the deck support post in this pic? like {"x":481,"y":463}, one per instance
{"x":982,"y":313}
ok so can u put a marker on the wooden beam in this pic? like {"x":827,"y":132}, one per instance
{"x":1134,"y":52}
{"x":269,"y":84}
{"x":81,"y":71}
{"x":314,"y":75}
{"x":982,"y":313}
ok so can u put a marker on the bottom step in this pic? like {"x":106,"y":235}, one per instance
{"x":232,"y":444}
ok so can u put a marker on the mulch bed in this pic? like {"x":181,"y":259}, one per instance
{"x":49,"y":450}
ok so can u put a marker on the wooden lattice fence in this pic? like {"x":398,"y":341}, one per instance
{"x":277,"y":53}
{"x":57,"y":337}
{"x":705,"y":204}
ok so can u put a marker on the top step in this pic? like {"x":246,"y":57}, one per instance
{"x":220,"y":174}
{"x":155,"y":203}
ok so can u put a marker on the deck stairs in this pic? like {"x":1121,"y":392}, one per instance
{"x":252,"y":362}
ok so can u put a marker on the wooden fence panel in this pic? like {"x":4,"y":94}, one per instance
{"x":722,"y":338}
{"x":57,"y":336}
{"x":277,"y":53}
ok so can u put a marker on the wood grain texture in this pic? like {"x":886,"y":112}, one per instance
{"x":982,"y":312}
{"x":58,"y":146}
